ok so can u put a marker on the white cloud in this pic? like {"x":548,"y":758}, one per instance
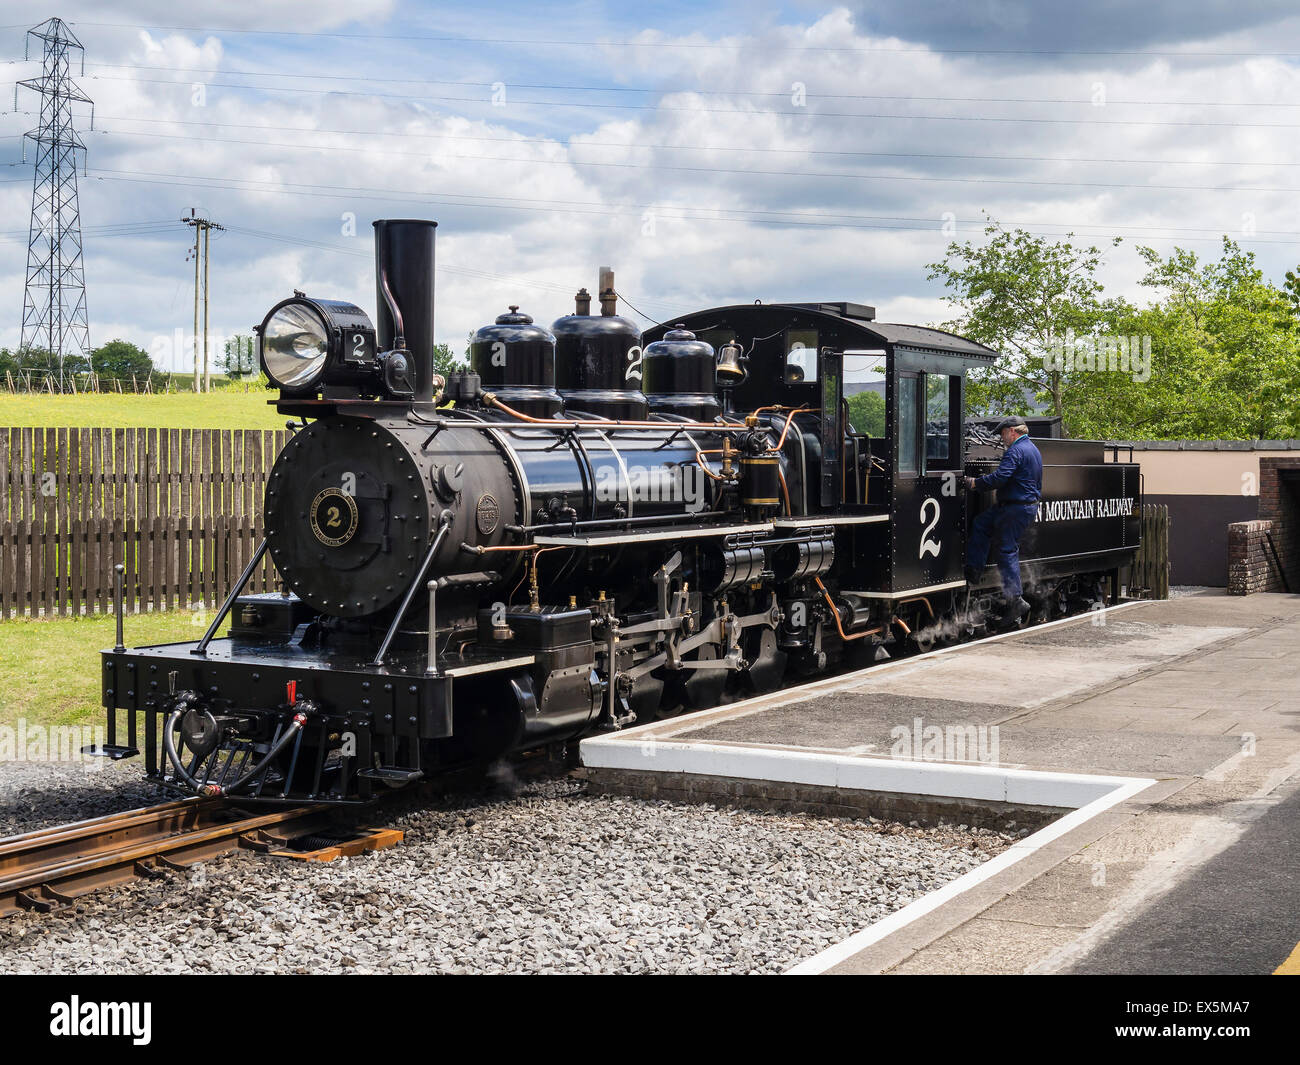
{"x":548,"y":219}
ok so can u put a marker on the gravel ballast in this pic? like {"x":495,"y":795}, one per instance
{"x":547,"y":879}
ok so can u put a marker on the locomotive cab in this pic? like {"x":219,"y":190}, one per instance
{"x":889,"y":472}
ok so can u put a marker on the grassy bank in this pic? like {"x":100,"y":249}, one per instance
{"x":172,"y":410}
{"x":49,"y":669}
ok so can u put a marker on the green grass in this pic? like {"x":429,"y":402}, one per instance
{"x":172,"y":410}
{"x":49,"y":669}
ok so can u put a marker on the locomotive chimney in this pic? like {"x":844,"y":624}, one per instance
{"x":404,"y":293}
{"x":608,"y":297}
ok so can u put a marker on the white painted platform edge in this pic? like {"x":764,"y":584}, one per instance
{"x":832,"y":956}
{"x":785,"y":765}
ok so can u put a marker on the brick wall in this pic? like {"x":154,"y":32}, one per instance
{"x":1264,"y":555}
{"x":1250,"y":563}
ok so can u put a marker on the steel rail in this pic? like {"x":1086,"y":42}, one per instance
{"x":50,"y":868}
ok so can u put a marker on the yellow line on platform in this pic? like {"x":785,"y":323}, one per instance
{"x":1290,"y":967}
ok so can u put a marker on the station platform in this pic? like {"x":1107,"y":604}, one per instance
{"x":1152,"y":750}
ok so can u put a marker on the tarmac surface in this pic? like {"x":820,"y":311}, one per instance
{"x":1239,"y":913}
{"x":1198,"y":873}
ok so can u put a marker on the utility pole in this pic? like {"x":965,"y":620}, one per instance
{"x":202,"y":236}
{"x":54,"y":299}
{"x":196,"y":299}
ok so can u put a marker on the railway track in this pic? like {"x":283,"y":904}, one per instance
{"x":51,"y":868}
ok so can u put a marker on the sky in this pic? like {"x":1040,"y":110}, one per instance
{"x":710,"y":153}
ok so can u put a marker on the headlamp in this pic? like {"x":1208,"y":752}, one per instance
{"x":306,"y":345}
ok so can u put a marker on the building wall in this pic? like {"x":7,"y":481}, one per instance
{"x":1210,"y":485}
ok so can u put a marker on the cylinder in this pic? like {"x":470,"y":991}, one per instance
{"x":404,"y":259}
{"x":681,"y":377}
{"x":760,"y":482}
{"x":804,"y":559}
{"x":516,"y":361}
{"x":724,"y":566}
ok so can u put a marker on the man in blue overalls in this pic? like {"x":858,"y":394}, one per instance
{"x":1019,"y":481}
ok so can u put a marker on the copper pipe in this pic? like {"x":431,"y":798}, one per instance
{"x":896,"y":620}
{"x":786,"y":428}
{"x":531,"y":572}
{"x":836,"y":614}
{"x":700,"y":461}
{"x":785,"y":489}
{"x":918,"y":599}
{"x":489,"y":400}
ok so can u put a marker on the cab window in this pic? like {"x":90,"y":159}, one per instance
{"x":800,"y":356}
{"x":942,"y":422}
{"x":907,"y":414}
{"x":864,"y":392}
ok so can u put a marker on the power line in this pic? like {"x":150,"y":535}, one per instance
{"x":747,"y":149}
{"x":671,"y":90}
{"x":660,"y":106}
{"x":775,"y":218}
{"x":844,"y":175}
{"x":104,"y":233}
{"x":661,"y":44}
{"x":442,"y":267}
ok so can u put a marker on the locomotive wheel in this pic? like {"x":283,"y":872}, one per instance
{"x":1088,"y":597}
{"x":769,"y":662}
{"x":652,"y":699}
{"x":702,"y":688}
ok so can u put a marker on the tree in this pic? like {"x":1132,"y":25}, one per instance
{"x":1023,"y":295}
{"x":42,"y":367}
{"x":1221,"y":356}
{"x":1291,"y":286}
{"x":444,"y":362}
{"x":122,"y":360}
{"x":867,"y":412}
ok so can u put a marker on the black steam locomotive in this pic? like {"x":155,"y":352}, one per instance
{"x":590,"y":527}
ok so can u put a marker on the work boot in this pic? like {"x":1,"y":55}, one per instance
{"x":1015,"y":609}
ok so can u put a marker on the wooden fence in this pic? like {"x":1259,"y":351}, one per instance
{"x":180,"y":508}
{"x":1150,"y":576}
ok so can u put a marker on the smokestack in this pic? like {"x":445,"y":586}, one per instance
{"x":404,"y":276}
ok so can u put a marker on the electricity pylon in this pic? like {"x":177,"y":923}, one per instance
{"x":54,"y":300}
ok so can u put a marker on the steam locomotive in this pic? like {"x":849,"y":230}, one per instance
{"x":591,"y":526}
